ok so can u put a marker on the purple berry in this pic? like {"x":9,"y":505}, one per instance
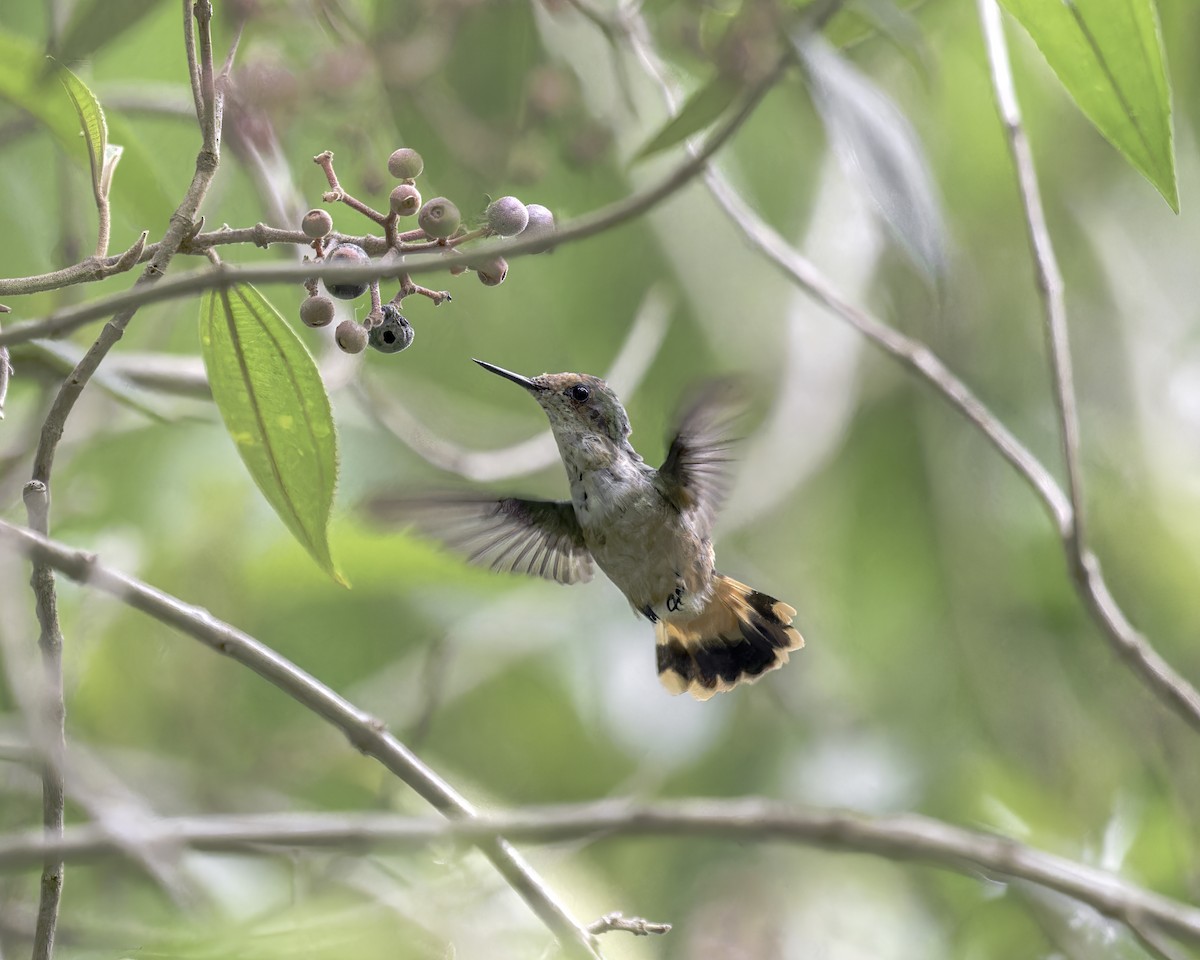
{"x":392,"y":334}
{"x":507,"y":216}
{"x":405,"y":200}
{"x":405,"y":164}
{"x":347,"y":253}
{"x":492,"y":272}
{"x":541,"y":223}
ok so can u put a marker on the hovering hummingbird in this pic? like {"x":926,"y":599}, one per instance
{"x":649,"y":530}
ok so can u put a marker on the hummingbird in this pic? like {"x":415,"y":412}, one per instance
{"x":649,"y":530}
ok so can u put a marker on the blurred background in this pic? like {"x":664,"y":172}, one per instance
{"x":949,"y":669}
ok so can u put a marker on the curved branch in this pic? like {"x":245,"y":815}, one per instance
{"x":364,"y":732}
{"x":893,"y":837}
{"x":222,"y":277}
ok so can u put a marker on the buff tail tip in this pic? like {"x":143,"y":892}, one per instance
{"x":743,"y":635}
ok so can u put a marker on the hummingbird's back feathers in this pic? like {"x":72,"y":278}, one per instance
{"x":741,"y":635}
{"x":510,"y":535}
{"x":695,"y":474}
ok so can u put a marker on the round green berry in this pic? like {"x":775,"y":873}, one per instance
{"x":350,"y":336}
{"x":347,"y":253}
{"x":316,"y":311}
{"x":507,"y":216}
{"x":439,"y":218}
{"x":405,"y":164}
{"x":392,"y":334}
{"x":405,"y":200}
{"x":316,"y":224}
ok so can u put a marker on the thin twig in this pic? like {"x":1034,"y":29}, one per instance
{"x":893,"y":837}
{"x":364,"y":732}
{"x":1048,"y":276}
{"x":1168,"y":685}
{"x":37,"y":505}
{"x":1089,"y":582}
{"x":635,"y":925}
{"x":619,"y":212}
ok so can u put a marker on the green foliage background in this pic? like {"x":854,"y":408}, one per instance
{"x":950,"y":668}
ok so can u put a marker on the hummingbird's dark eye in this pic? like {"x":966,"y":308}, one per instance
{"x":579,"y":393}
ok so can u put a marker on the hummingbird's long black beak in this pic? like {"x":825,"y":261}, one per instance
{"x":509,"y":375}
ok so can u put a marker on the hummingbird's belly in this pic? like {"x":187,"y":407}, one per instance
{"x":664,"y":570}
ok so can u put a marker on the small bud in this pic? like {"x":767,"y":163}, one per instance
{"x":316,"y":224}
{"x":507,"y":216}
{"x":350,"y":336}
{"x":405,"y":200}
{"x":541,"y":223}
{"x":405,"y":164}
{"x":439,"y":218}
{"x":392,"y":334}
{"x":316,"y":311}
{"x":347,"y":253}
{"x":492,"y":272}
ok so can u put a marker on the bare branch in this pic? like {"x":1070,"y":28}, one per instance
{"x":364,"y":732}
{"x":619,"y":212}
{"x":635,"y":925}
{"x":893,"y":837}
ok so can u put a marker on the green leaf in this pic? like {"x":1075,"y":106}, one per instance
{"x":1108,"y":55}
{"x":95,"y":129}
{"x":275,"y":408}
{"x":701,"y":109}
{"x":138,"y":192}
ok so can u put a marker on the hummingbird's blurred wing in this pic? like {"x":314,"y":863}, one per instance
{"x":695,"y":475}
{"x":538,"y":537}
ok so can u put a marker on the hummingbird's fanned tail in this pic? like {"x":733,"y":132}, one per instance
{"x":742,"y":635}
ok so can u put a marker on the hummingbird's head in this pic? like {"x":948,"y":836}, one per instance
{"x":577,"y":404}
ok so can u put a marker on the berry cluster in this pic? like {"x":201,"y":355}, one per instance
{"x":439,"y":226}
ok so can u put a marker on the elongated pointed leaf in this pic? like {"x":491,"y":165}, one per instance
{"x":95,"y":128}
{"x":1108,"y":55}
{"x":275,"y":408}
{"x":876,"y":144}
{"x":699,"y":110}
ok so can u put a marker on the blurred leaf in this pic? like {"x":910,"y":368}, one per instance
{"x":1108,"y":55}
{"x":95,"y":129}
{"x":22,"y":84}
{"x":700,"y":110}
{"x":96,"y":23}
{"x":875,"y":142}
{"x":275,"y":408}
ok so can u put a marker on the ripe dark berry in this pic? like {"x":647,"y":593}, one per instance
{"x":405,"y":164}
{"x":405,"y":200}
{"x":316,"y":311}
{"x":439,"y":218}
{"x":351,"y":336}
{"x":392,"y":334}
{"x":492,"y":272}
{"x":507,"y":216}
{"x":347,"y":253}
{"x":541,"y":223}
{"x":316,"y":223}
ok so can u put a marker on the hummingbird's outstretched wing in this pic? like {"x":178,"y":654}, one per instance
{"x":695,"y":474}
{"x":538,"y":537}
